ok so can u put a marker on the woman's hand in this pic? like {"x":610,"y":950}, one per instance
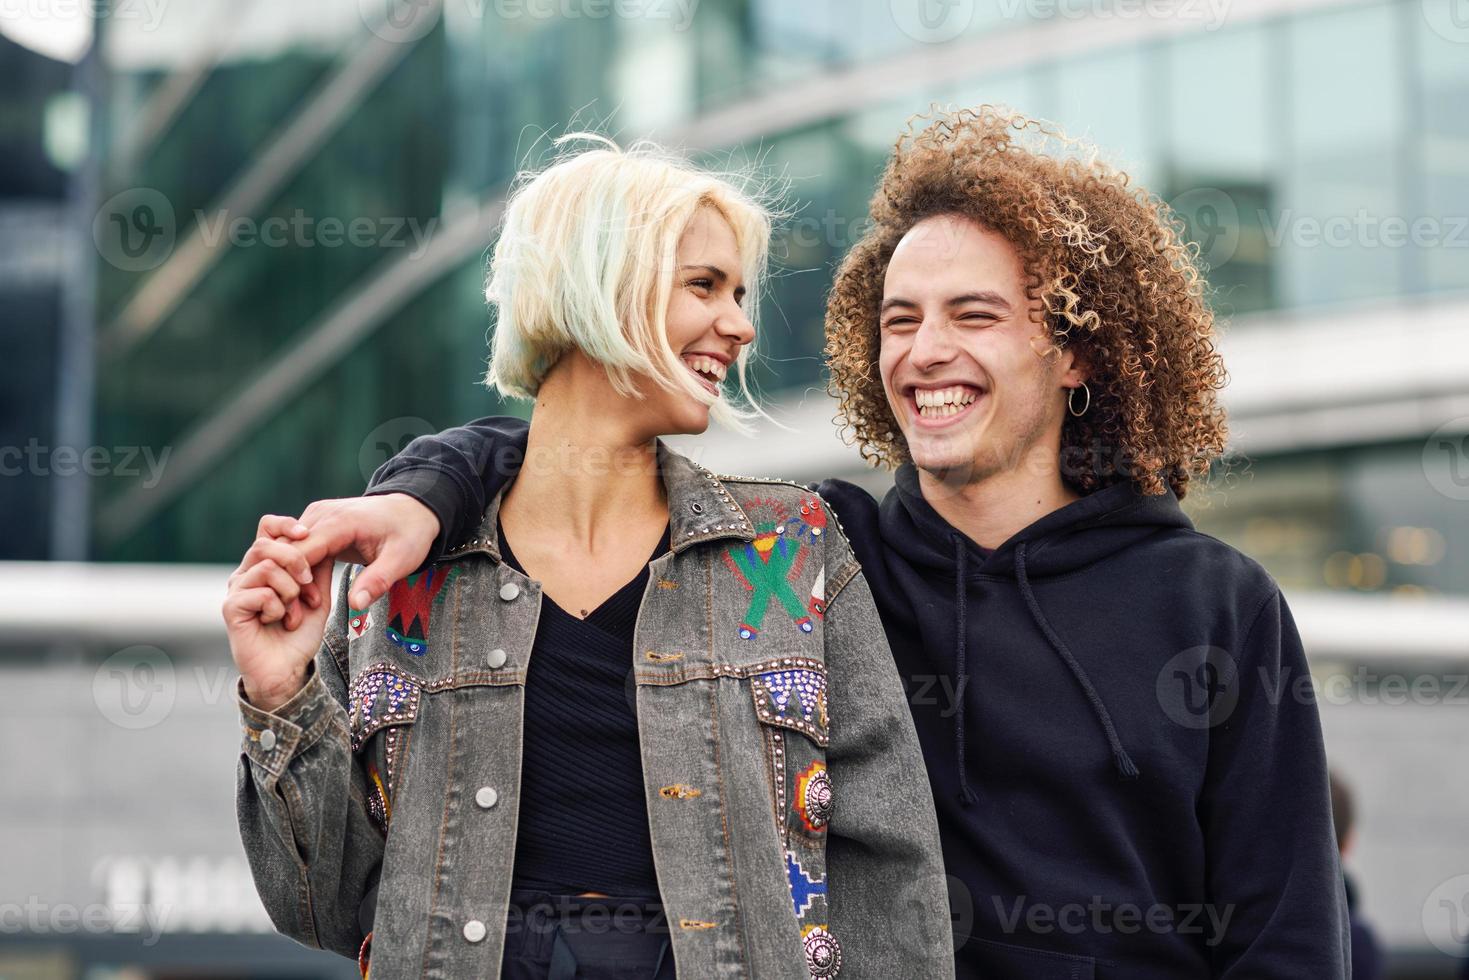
{"x":272,"y":649}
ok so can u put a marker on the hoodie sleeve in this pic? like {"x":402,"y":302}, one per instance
{"x":1274,"y":878}
{"x":454,"y":473}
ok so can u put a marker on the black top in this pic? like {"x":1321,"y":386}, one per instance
{"x":583,"y":815}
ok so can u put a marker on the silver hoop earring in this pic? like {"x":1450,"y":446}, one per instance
{"x":1071,"y":400}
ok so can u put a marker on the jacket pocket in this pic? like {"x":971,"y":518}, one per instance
{"x":789,"y":694}
{"x":384,"y":704}
{"x":1002,"y":961}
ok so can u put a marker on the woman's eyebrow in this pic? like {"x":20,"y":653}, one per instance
{"x":719,"y":274}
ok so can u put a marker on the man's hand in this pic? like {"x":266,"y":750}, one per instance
{"x":389,"y":534}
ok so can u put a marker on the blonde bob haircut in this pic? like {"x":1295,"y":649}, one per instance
{"x":586,"y":259}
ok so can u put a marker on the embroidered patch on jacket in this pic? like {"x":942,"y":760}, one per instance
{"x":377,"y":698}
{"x":813,"y":801}
{"x":769,"y":565}
{"x":804,"y":888}
{"x":794,"y":697}
{"x":823,"y":952}
{"x":410,"y":602}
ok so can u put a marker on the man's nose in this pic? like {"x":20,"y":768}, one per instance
{"x":933,"y":344}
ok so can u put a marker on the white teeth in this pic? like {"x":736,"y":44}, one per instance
{"x":701,"y":364}
{"x":958,"y":395}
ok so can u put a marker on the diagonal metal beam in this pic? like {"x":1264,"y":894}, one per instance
{"x":293,"y":145}
{"x":324,"y":342}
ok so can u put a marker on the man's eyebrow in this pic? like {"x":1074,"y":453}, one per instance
{"x":983,"y":296}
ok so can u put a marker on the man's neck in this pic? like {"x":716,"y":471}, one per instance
{"x":995,"y":508}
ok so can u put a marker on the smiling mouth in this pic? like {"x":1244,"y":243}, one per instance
{"x":710,"y":371}
{"x":938,"y":407}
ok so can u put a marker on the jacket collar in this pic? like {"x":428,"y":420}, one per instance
{"x":700,"y":509}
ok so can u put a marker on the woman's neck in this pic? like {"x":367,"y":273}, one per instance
{"x":588,"y":476}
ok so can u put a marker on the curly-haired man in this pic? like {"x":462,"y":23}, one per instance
{"x":1129,"y":774}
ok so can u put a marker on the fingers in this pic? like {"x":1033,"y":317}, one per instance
{"x":269,"y":575}
{"x":287,"y":556}
{"x":277,"y":526}
{"x":331,"y":537}
{"x":394,"y":562}
{"x":243,"y":605}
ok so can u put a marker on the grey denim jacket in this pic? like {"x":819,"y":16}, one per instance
{"x":791,"y":817}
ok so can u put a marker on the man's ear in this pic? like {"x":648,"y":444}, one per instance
{"x":1074,"y":367}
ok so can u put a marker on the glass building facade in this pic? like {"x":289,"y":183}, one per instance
{"x":1318,"y":158}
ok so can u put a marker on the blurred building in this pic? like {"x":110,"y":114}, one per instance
{"x":291,"y":209}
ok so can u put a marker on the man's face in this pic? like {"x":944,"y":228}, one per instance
{"x":963,"y":362}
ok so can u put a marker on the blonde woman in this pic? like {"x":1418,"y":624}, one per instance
{"x":644,"y":718}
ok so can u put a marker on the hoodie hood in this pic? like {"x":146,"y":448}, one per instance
{"x":1065,"y":540}
{"x":1080,"y":534}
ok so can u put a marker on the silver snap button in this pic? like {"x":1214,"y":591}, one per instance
{"x":474,"y":930}
{"x":696,"y":507}
{"x":496,"y":659}
{"x":267,"y":740}
{"x":486,"y":797}
{"x":509,"y":591}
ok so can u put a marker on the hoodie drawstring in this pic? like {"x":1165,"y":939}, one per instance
{"x":967,"y":796}
{"x":1125,"y":764}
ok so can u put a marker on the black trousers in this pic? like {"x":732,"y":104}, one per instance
{"x":565,"y":937}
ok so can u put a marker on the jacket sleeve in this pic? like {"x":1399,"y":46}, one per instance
{"x":1272,"y":863}
{"x":301,"y":806}
{"x":887,"y":892}
{"x":454,"y":473}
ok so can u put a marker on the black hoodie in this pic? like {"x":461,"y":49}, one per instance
{"x":1117,"y":719}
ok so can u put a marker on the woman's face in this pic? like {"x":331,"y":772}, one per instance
{"x":707,"y":326}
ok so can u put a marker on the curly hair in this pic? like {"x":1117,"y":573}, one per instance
{"x":1107,"y":269}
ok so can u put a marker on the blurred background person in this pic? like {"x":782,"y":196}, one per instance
{"x":1366,"y":953}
